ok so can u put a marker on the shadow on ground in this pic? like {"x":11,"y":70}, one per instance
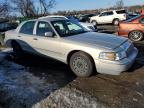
{"x":27,"y":79}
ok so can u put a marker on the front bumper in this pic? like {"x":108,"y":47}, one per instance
{"x":116,"y":67}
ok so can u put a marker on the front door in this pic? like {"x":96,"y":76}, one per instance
{"x":46,"y":45}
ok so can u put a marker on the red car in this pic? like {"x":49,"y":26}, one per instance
{"x":132,"y":28}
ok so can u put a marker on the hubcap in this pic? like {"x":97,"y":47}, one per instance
{"x":136,"y":35}
{"x":80,"y":65}
{"x":116,"y":22}
{"x":94,"y":23}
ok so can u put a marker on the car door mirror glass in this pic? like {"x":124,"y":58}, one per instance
{"x":49,"y":34}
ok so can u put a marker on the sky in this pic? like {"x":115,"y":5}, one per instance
{"x":90,"y":4}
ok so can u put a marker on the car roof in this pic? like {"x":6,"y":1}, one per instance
{"x":53,"y":16}
{"x":47,"y":19}
{"x":113,"y":10}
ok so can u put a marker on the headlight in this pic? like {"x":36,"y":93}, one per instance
{"x":112,"y":55}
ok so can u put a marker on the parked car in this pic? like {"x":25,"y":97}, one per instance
{"x":130,"y":16}
{"x":88,"y":26}
{"x":142,"y":11}
{"x":132,"y":28}
{"x":1,"y":39}
{"x":68,"y":42}
{"x":108,"y":17}
{"x":86,"y":18}
{"x":5,"y":26}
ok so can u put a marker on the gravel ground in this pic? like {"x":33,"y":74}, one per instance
{"x":34,"y":82}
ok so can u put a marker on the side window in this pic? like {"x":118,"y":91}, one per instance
{"x":42,"y":28}
{"x":103,"y":14}
{"x":59,"y":26}
{"x":27,"y":28}
{"x":142,"y":21}
{"x":109,"y":13}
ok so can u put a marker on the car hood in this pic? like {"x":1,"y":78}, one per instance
{"x":107,"y":41}
{"x":86,"y":24}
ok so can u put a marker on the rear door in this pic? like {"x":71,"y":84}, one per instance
{"x":106,"y":17}
{"x":25,"y":36}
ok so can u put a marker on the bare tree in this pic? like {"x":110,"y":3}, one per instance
{"x":46,"y":5}
{"x":119,"y":4}
{"x":28,"y":8}
{"x":4,"y":8}
{"x":24,"y":7}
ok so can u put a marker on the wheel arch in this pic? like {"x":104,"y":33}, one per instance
{"x":115,"y":19}
{"x":94,"y":20}
{"x":8,"y":43}
{"x":135,"y":30}
{"x":74,"y":51}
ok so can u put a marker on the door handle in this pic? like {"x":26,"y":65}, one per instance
{"x":19,"y":36}
{"x":35,"y":39}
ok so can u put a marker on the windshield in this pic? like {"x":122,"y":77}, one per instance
{"x":67,"y":28}
{"x":73,"y":19}
{"x":129,"y":20}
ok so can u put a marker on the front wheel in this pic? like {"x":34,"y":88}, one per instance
{"x":136,"y":36}
{"x":81,"y":64}
{"x":94,"y":23}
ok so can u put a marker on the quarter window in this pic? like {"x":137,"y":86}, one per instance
{"x":42,"y":28}
{"x":121,"y":11}
{"x":28,"y":27}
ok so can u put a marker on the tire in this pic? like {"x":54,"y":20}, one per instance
{"x":81,"y":64}
{"x":16,"y":47}
{"x":116,"y":22}
{"x":136,"y":36}
{"x":94,"y":22}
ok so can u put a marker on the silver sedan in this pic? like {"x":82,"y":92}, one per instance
{"x":70,"y":43}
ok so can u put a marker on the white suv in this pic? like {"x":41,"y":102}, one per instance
{"x":107,"y":17}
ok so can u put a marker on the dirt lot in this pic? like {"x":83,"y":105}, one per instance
{"x":34,"y":82}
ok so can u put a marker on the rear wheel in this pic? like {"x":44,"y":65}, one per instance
{"x":136,"y":36}
{"x":16,"y":47}
{"x":115,"y":22}
{"x":81,"y":64}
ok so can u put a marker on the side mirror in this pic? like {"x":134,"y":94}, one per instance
{"x":49,"y":34}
